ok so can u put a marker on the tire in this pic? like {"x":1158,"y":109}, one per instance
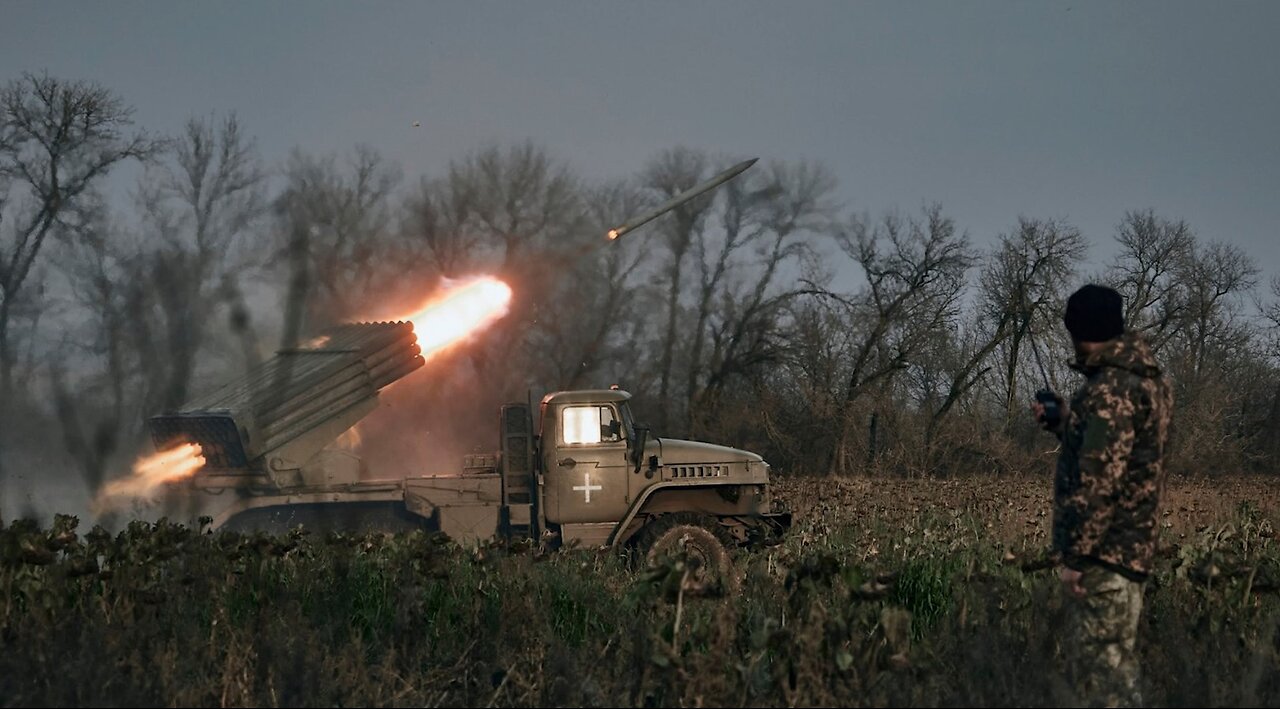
{"x":696,"y":540}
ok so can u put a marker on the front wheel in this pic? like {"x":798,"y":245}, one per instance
{"x":692,"y":540}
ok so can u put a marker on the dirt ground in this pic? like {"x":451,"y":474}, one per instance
{"x":1016,"y":510}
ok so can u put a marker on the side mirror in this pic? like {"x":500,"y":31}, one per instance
{"x":637,"y":453}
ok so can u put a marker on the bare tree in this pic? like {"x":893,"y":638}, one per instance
{"x":520,"y":204}
{"x":1020,"y":282}
{"x":775,"y":216}
{"x":150,"y":298}
{"x":1216,"y":278}
{"x":196,"y":209}
{"x":959,"y":365}
{"x":596,"y":327}
{"x":57,"y":140}
{"x":437,"y":218}
{"x":1271,"y":315}
{"x":804,"y":396}
{"x":671,"y":173}
{"x":343,"y":222}
{"x":97,"y":410}
{"x":741,"y":226}
{"x":1022,"y":287}
{"x":1153,"y":253}
{"x":914,"y":271}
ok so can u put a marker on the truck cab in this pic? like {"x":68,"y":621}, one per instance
{"x":604,"y":477}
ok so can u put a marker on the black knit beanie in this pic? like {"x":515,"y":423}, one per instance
{"x":1095,"y":314}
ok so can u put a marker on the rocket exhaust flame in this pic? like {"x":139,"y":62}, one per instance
{"x":463,"y":309}
{"x":153,"y":471}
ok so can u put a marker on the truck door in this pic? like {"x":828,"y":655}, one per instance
{"x":587,"y":476}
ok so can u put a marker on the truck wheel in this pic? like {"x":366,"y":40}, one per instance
{"x":696,"y":539}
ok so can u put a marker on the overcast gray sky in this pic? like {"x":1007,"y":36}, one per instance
{"x":1066,"y":109}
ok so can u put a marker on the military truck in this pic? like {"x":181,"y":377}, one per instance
{"x":578,"y":470}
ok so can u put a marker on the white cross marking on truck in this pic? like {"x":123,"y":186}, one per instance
{"x":586,"y":486}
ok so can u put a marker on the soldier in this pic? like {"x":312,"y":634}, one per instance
{"x":1106,"y":493}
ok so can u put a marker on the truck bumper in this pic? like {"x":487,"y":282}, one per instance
{"x":770,"y":528}
{"x":778,"y":520}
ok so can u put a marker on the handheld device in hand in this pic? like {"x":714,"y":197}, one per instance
{"x":1052,"y":410}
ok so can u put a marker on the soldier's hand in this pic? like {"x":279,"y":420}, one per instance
{"x":1071,"y":581}
{"x":1037,"y":413}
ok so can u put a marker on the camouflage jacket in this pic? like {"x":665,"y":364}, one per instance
{"x":1111,"y":468}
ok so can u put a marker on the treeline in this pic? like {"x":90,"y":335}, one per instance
{"x":764,"y":315}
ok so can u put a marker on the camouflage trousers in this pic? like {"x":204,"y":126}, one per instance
{"x":1102,"y":632}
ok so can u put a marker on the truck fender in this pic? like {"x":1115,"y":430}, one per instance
{"x":615,"y":537}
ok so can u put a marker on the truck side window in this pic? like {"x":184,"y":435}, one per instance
{"x":591,"y":424}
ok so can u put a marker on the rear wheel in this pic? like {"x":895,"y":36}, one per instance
{"x":697,"y":541}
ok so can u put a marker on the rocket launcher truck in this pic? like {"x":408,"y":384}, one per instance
{"x":579,"y":469}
